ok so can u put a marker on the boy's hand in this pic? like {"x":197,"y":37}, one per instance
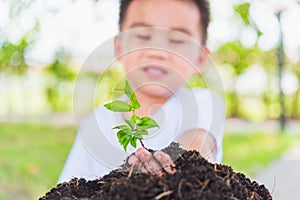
{"x":156,"y":163}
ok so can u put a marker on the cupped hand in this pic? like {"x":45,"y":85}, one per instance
{"x":156,"y":163}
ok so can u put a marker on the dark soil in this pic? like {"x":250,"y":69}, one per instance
{"x":195,"y":178}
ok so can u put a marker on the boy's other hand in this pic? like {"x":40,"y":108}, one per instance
{"x":156,"y":163}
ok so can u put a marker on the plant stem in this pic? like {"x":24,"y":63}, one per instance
{"x":133,"y":117}
{"x":142,"y":144}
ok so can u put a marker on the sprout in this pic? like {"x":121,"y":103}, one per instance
{"x":136,"y":127}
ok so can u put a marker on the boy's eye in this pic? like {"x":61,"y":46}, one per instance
{"x":143,"y":37}
{"x":176,"y":41}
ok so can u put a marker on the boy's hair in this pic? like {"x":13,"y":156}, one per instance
{"x":202,"y":5}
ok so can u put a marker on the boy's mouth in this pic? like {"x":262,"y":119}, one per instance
{"x":155,"y":72}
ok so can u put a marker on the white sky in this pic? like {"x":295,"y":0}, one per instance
{"x":80,"y":26}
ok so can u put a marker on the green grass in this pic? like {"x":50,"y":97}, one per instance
{"x":249,"y":153}
{"x":32,"y":156}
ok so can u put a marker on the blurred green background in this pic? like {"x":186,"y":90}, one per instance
{"x":254,"y":44}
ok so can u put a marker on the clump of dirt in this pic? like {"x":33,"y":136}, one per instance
{"x":195,"y":178}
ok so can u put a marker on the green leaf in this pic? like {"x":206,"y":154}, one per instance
{"x":147,"y":122}
{"x":118,"y":106}
{"x":122,"y":134}
{"x":133,"y":142}
{"x":143,"y":132}
{"x":126,"y":141}
{"x":121,"y":127}
{"x":139,"y":136}
{"x":243,"y":11}
{"x":131,"y":95}
{"x":130,"y":123}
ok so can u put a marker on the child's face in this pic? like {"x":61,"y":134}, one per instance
{"x":158,"y":72}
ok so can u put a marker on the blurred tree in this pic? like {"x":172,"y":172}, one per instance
{"x":243,"y":11}
{"x":60,"y":77}
{"x":296,"y":102}
{"x":12,"y":56}
{"x":240,"y":57}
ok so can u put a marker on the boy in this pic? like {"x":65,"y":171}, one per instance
{"x":158,"y":78}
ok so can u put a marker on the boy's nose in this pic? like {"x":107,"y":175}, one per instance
{"x":157,"y":53}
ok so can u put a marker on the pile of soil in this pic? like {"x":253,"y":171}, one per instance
{"x":195,"y":178}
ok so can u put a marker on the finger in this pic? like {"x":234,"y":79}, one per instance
{"x":133,"y":160}
{"x":150,"y":164}
{"x":165,"y":161}
{"x":143,"y":155}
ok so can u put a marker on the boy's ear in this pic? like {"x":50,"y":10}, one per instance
{"x":203,"y":57}
{"x":117,"y":46}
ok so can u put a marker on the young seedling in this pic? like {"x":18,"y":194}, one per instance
{"x":136,"y":127}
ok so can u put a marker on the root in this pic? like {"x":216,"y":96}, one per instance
{"x":130,"y":171}
{"x":206,"y":182}
{"x":179,"y":188}
{"x":163,"y":194}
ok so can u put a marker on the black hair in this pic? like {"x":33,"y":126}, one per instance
{"x":202,"y":5}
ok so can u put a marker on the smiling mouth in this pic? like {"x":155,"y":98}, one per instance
{"x":155,"y":72}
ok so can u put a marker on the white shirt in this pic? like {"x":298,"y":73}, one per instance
{"x":96,"y":150}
